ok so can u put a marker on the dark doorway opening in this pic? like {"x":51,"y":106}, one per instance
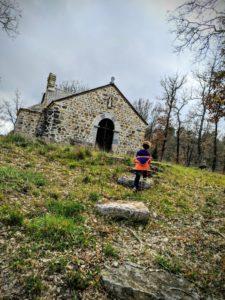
{"x":105,"y":133}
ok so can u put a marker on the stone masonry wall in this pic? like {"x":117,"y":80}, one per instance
{"x":75,"y":119}
{"x":26,"y":122}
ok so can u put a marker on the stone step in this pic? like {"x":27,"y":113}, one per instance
{"x":129,"y":182}
{"x":133,"y":282}
{"x":132,"y":210}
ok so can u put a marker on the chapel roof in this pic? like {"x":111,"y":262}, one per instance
{"x":59,"y":97}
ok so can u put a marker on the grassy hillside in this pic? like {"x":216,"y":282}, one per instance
{"x":53,"y":245}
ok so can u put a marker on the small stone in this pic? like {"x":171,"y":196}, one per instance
{"x":115,"y":264}
{"x":17,"y":233}
{"x":132,"y":210}
{"x":154,"y":214}
{"x":72,"y":266}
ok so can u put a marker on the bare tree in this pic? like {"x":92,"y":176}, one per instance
{"x":178,"y":109}
{"x":10,"y":14}
{"x":11,"y":108}
{"x":143,"y":107}
{"x":153,"y":119}
{"x":205,"y":81}
{"x":73,"y":87}
{"x":201,"y":115}
{"x":171,"y":85}
{"x":199,"y":26}
{"x":188,"y":144}
{"x":216,"y":107}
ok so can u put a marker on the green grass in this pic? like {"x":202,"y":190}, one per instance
{"x":75,"y":280}
{"x":13,"y":179}
{"x":11,"y":216}
{"x":54,"y":194}
{"x":16,"y":139}
{"x":57,"y":265}
{"x":33,"y":286}
{"x":73,"y":165}
{"x":170,"y":265}
{"x":70,"y":154}
{"x":93,"y":196}
{"x":110,"y":251}
{"x":67,"y":208}
{"x":57,"y":231}
{"x":78,"y":280}
{"x":86,"y":179}
{"x":20,"y":260}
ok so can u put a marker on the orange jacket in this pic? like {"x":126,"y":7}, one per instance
{"x":142,"y":167}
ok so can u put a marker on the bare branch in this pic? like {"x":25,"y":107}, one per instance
{"x":199,"y":26}
{"x":171,"y":85}
{"x":9,"y":109}
{"x":143,"y":107}
{"x":73,"y":87}
{"x":10,"y":14}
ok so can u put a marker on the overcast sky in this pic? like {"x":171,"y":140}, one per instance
{"x":90,"y":41}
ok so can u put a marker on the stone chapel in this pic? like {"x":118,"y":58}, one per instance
{"x":101,"y":117}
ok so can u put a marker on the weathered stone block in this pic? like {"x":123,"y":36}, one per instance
{"x":129,"y":182}
{"x":135,"y":211}
{"x":133,"y":282}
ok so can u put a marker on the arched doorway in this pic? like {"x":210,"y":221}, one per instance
{"x":105,"y":133}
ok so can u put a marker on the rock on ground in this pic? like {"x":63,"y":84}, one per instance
{"x":132,"y":210}
{"x":129,"y":182}
{"x":133,"y":282}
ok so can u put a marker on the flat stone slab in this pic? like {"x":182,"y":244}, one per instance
{"x":129,"y":182}
{"x":132,"y":210}
{"x":133,"y":282}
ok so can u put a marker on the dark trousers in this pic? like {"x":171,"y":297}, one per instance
{"x":138,"y":177}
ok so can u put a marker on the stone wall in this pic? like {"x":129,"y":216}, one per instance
{"x":26,"y":122}
{"x":75,"y":119}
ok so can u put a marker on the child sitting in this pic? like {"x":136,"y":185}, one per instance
{"x":142,"y":164}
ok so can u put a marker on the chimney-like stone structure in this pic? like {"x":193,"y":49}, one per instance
{"x":50,"y":89}
{"x":51,"y":82}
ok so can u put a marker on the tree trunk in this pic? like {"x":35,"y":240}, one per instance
{"x":199,"y":157}
{"x":190,"y":156}
{"x":189,"y":153}
{"x":178,"y":144}
{"x":186,"y":155}
{"x":165,"y":134}
{"x":224,"y":165}
{"x":215,"y":147}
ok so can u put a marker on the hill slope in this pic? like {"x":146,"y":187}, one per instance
{"x":53,"y":245}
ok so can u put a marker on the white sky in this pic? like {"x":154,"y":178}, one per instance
{"x":90,"y":41}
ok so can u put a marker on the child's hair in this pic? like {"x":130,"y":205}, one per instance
{"x":146,"y":145}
